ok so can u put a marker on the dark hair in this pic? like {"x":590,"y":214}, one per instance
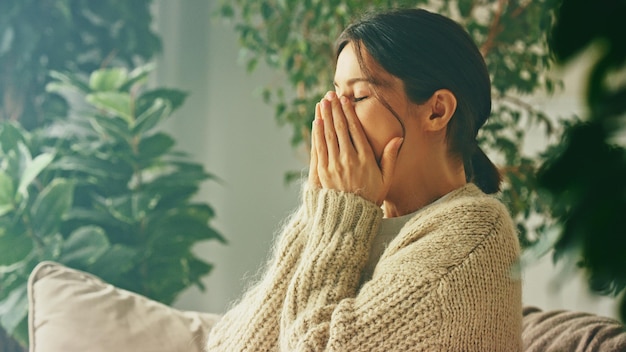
{"x":429,"y":52}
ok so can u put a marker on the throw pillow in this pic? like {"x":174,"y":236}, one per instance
{"x":70,"y":310}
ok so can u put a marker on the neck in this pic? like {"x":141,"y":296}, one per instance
{"x":418,"y":187}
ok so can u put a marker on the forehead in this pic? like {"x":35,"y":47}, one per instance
{"x":348,"y":66}
{"x":349,"y":71}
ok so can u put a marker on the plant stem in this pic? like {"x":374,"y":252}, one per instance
{"x":494,"y":29}
{"x":30,"y":232}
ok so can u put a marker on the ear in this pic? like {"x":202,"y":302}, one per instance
{"x":442,"y":105}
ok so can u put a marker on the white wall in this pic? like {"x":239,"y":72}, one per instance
{"x":232,"y":132}
{"x":226,"y":127}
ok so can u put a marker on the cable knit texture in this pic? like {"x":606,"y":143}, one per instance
{"x":447,"y":282}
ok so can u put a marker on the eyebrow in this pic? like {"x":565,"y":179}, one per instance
{"x":352,"y":81}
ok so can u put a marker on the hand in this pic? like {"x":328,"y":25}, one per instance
{"x":341,"y":156}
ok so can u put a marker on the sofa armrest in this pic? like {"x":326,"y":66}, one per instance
{"x":561,"y":330}
{"x":70,"y":310}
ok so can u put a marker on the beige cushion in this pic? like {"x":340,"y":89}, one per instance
{"x":561,"y":330}
{"x":71,"y":311}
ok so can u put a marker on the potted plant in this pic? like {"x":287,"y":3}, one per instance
{"x":43,"y":199}
{"x":102,"y":191}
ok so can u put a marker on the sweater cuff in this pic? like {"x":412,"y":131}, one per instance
{"x":333,"y":212}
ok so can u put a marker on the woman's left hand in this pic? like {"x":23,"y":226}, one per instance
{"x":341,"y":156}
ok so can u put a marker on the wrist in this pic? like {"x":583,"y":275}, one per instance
{"x":338,"y":211}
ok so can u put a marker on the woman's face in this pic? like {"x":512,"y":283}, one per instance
{"x":379,"y":123}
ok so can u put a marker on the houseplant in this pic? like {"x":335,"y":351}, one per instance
{"x":102,"y":191}
{"x":65,"y":35}
{"x":35,"y":37}
{"x":586,"y":179}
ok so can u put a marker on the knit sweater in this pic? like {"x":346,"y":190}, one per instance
{"x":447,"y":282}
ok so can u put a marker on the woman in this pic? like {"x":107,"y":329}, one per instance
{"x":396,"y":246}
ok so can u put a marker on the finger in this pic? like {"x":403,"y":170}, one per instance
{"x":389,"y":158}
{"x":313,"y":176}
{"x":359,"y":139}
{"x":330,"y":136}
{"x":341,"y":127}
{"x":321,"y":151}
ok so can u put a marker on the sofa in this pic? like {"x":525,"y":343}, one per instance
{"x":73,"y":311}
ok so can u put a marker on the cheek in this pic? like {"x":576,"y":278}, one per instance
{"x":379,"y":124}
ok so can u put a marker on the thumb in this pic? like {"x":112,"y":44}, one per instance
{"x":389,"y":157}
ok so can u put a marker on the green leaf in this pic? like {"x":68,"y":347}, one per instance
{"x":292,"y":176}
{"x":10,"y":135}
{"x":155,"y":146}
{"x":7,"y":193}
{"x":51,"y":205}
{"x":66,"y":80}
{"x":51,"y":247}
{"x":99,"y":168}
{"x":113,"y":102}
{"x":251,"y":65}
{"x":14,"y":247}
{"x":84,"y":246}
{"x":183,"y":232}
{"x":14,"y":309}
{"x":33,"y":169}
{"x":151,"y":117}
{"x":180,"y":178}
{"x":138,"y":75}
{"x":465,"y":7}
{"x":197,"y":269}
{"x":226,"y":10}
{"x":107,"y":80}
{"x":171,"y":196}
{"x":132,"y":208}
{"x":116,"y":260}
{"x":20,"y":334}
{"x":111,"y":126}
{"x":175,"y":97}
{"x":185,"y":224}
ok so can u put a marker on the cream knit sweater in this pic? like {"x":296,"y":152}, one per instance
{"x":447,"y":282}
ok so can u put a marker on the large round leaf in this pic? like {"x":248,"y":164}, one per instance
{"x":84,"y":246}
{"x":51,"y":205}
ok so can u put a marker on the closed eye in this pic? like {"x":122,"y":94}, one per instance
{"x":356,"y":100}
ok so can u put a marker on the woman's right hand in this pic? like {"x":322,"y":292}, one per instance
{"x":341,"y":156}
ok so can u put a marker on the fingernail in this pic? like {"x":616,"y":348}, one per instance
{"x":330,"y":95}
{"x":343,"y":100}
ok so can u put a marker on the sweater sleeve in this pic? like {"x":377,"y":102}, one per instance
{"x":325,"y":283}
{"x":400,"y":309}
{"x":251,"y":325}
{"x":443,"y":285}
